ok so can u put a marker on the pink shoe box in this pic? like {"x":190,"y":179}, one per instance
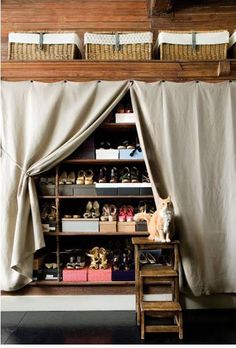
{"x":99,"y":275}
{"x":75,"y":275}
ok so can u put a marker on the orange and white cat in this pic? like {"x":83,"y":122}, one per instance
{"x":161,"y":223}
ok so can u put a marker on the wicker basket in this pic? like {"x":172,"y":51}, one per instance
{"x":44,"y":46}
{"x":119,"y":46}
{"x":232,"y":45}
{"x":211,"y":45}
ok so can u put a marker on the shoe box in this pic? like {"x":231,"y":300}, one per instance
{"x":141,"y":226}
{"x":107,"y":154}
{"x":80,"y":225}
{"x":108,"y":226}
{"x":106,"y":189}
{"x":126,"y":226}
{"x":130,"y":154}
{"x":49,"y":226}
{"x":128,"y":117}
{"x":119,"y":275}
{"x":75,"y":275}
{"x":99,"y":275}
{"x":47,"y":189}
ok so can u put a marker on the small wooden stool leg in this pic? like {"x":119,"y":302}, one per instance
{"x":180,"y":326}
{"x":142,"y":325}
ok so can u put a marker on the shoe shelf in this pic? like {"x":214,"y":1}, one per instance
{"x":104,"y":161}
{"x":59,"y":206}
{"x":68,"y":234}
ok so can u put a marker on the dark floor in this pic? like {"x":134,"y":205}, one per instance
{"x":117,"y":327}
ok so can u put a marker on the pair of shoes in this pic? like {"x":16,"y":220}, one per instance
{"x":122,"y":260}
{"x":147,"y":258}
{"x":142,"y":207}
{"x":126,"y":213}
{"x":50,"y":180}
{"x":128,"y":175}
{"x":85,"y":177}
{"x":121,"y":108}
{"x":48,"y":211}
{"x":103,"y":175}
{"x":109,"y":213}
{"x":98,"y":258}
{"x":74,"y":216}
{"x":92,"y":210}
{"x":126,"y":145}
{"x":67,"y":179}
{"x":106,"y":145}
{"x":78,"y":264}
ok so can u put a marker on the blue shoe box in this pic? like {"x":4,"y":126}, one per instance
{"x":130,"y":154}
{"x":123,"y":275}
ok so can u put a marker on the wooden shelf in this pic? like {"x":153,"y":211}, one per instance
{"x":82,"y":70}
{"x":70,"y":234}
{"x":61,"y":283}
{"x":117,"y":126}
{"x":104,"y":161}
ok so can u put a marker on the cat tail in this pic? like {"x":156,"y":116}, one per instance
{"x":142,"y":216}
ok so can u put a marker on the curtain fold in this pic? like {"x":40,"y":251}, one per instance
{"x":188,"y":133}
{"x":42,"y":123}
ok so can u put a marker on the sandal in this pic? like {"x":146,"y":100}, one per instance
{"x":89,"y":177}
{"x":142,"y":207}
{"x":151,"y":258}
{"x":105,"y":212}
{"x":62,"y":178}
{"x":113,"y":175}
{"x":79,"y":263}
{"x":70,"y":178}
{"x":134,"y":175}
{"x":126,"y":145}
{"x":95,"y":212}
{"x":145,"y":177}
{"x":102,"y":175}
{"x":112,"y":213}
{"x":125,"y":177}
{"x":105,"y":145}
{"x":80,"y":178}
{"x":88,"y":213}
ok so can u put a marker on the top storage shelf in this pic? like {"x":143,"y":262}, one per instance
{"x":146,"y":71}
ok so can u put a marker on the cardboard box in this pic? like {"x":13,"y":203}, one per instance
{"x":107,"y":226}
{"x":123,"y":275}
{"x":47,"y":189}
{"x":87,"y":190}
{"x":75,"y":275}
{"x":107,"y":154}
{"x":80,"y":225}
{"x":141,"y":226}
{"x":130,"y":154}
{"x":128,"y":227}
{"x":66,"y":190}
{"x":99,"y":275}
{"x":106,"y":189}
{"x":125,"y":117}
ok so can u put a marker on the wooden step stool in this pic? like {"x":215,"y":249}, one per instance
{"x":162,"y":309}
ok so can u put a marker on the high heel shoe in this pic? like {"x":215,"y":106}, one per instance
{"x":122,"y":214}
{"x":96,"y":212}
{"x":70,"y":178}
{"x":102,"y":175}
{"x":80,"y":178}
{"x":71,"y":263}
{"x":143,"y":259}
{"x":145,"y":177}
{"x":89,"y":177}
{"x":134,"y":175}
{"x":79,"y":263}
{"x":103,"y":258}
{"x":94,"y":256}
{"x":129,"y":213}
{"x":142,"y":207}
{"x":112,"y":213}
{"x":88,"y":213}
{"x":62,"y":178}
{"x":125,"y":175}
{"x":105,"y":212}
{"x":151,"y":258}
{"x":113,"y":178}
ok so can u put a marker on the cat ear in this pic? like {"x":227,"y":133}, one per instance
{"x":169,"y":198}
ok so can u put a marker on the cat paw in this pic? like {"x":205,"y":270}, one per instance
{"x":163,"y":240}
{"x":168,"y":240}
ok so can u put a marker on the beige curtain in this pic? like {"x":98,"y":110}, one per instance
{"x":189,"y":133}
{"x":42,"y":123}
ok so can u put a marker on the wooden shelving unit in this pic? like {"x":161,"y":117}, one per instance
{"x":102,"y":162}
{"x":114,"y":234}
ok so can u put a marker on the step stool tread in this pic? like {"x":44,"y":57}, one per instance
{"x":162,"y":306}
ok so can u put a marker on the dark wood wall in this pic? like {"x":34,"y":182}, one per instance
{"x":111,"y":15}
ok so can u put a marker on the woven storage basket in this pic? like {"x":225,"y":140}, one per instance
{"x":211,"y":45}
{"x":44,"y":46}
{"x":119,"y":46}
{"x":232,"y":45}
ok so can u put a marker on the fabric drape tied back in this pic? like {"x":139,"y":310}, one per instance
{"x":42,"y":123}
